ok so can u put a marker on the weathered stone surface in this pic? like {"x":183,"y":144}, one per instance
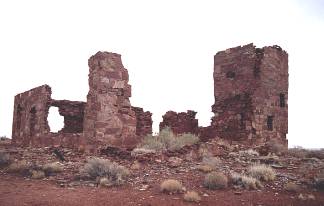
{"x":73,"y":113}
{"x":109,"y":118}
{"x":251,"y":93}
{"x":183,"y":122}
{"x":143,"y":122}
{"x":30,"y":115}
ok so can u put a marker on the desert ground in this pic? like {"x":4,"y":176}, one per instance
{"x":60,"y":176}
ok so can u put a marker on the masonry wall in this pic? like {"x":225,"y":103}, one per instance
{"x":73,"y":113}
{"x":143,"y":122}
{"x":109,"y":119}
{"x":179,"y":123}
{"x":30,"y":115}
{"x":248,"y":83}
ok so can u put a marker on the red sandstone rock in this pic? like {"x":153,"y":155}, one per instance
{"x":143,"y":122}
{"x":180,"y":122}
{"x":251,"y":93}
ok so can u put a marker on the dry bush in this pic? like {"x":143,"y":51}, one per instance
{"x":37,"y":174}
{"x":4,"y":158}
{"x":142,"y":151}
{"x":171,"y":186}
{"x":97,"y":168}
{"x":246,"y":181}
{"x":191,"y":196}
{"x":205,"y":168}
{"x":248,"y":153}
{"x":204,"y":151}
{"x":291,"y":187}
{"x":213,"y":162}
{"x":276,"y":147}
{"x":105,"y":182}
{"x":53,"y":167}
{"x":215,"y":180}
{"x":21,"y":167}
{"x":262,"y":172}
{"x":167,"y":140}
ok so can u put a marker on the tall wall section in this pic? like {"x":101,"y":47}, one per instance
{"x":109,"y":119}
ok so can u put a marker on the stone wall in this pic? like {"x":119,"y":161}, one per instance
{"x":250,"y":91}
{"x":30,"y":115}
{"x":73,"y":113}
{"x":109,"y":119}
{"x":183,"y":122}
{"x":143,"y":122}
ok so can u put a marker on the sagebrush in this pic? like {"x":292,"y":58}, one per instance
{"x":215,"y":180}
{"x":171,"y":186}
{"x":262,"y":172}
{"x":98,"y":168}
{"x":167,"y":140}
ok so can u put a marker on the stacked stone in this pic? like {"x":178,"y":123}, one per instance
{"x":73,"y":113}
{"x":183,"y":122}
{"x":249,"y":84}
{"x":30,"y":115}
{"x":109,"y":119}
{"x":143,"y":122}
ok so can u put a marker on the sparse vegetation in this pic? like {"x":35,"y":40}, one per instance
{"x":246,"y":181}
{"x":98,"y":168}
{"x":215,"y":180}
{"x":205,"y":168}
{"x":4,"y":158}
{"x":191,"y":196}
{"x":171,"y":186}
{"x":291,"y":187}
{"x":249,"y":153}
{"x":166,"y":140}
{"x":213,"y":162}
{"x":297,"y":152}
{"x":53,"y":167}
{"x":262,"y":172}
{"x":37,"y":174}
{"x":21,"y":167}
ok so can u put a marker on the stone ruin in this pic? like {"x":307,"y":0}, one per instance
{"x":251,"y":105}
{"x":107,"y":118}
{"x":251,"y":97}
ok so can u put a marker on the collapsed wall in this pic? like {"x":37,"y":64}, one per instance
{"x":179,"y":123}
{"x":143,"y":122}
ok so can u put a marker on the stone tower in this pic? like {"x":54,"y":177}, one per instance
{"x":109,"y":118}
{"x":251,"y":93}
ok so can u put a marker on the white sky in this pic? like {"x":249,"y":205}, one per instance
{"x":167,"y":47}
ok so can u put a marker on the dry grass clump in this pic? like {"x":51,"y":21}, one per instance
{"x":291,"y":187}
{"x":53,"y":167}
{"x":167,"y":140}
{"x":215,"y":180}
{"x":4,"y":158}
{"x":246,"y":181}
{"x":205,"y":168}
{"x":262,"y":172}
{"x":171,"y":186}
{"x":97,"y":168}
{"x":191,"y":196}
{"x":249,"y":153}
{"x":213,"y":162}
{"x":21,"y":167}
{"x":37,"y":174}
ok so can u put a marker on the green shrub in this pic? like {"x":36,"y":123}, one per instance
{"x":166,"y":140}
{"x":215,"y":180}
{"x":4,"y":158}
{"x":97,"y":168}
{"x":171,"y":186}
{"x":262,"y":172}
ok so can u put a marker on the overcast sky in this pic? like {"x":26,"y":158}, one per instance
{"x":168,"y":49}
